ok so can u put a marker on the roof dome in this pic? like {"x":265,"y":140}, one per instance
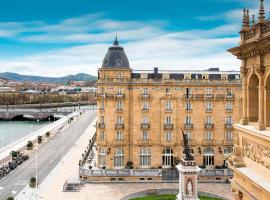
{"x":115,"y":57}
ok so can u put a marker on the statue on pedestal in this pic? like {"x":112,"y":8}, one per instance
{"x":188,"y":155}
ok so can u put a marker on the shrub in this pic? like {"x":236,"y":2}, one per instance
{"x":29,"y":145}
{"x":47,"y":134}
{"x":39,"y":139}
{"x":14,"y":154}
{"x":10,"y":198}
{"x":32,"y":182}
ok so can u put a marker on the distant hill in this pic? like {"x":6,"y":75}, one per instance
{"x":43,"y":79}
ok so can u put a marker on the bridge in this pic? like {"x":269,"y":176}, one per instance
{"x":18,"y":114}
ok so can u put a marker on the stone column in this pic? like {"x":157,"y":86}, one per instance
{"x":261,"y":124}
{"x":244,"y":120}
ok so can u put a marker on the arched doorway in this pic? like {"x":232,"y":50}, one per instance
{"x":267,"y":101}
{"x":208,"y":156}
{"x":167,"y":157}
{"x":253,"y":98}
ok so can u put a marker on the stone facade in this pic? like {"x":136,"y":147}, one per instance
{"x":141,"y":114}
{"x":251,"y":157}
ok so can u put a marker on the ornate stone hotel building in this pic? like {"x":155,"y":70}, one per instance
{"x":141,"y":114}
{"x":251,"y":158}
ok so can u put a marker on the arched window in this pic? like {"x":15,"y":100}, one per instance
{"x":102,"y":157}
{"x":119,"y":158}
{"x":167,"y":157}
{"x":145,"y":157}
{"x":208,"y":156}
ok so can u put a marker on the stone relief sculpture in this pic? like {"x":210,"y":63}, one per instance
{"x":189,"y":188}
{"x":235,"y":157}
{"x":257,"y":153}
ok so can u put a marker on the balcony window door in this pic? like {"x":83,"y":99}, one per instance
{"x":102,"y":136}
{"x":119,"y":158}
{"x":208,"y":105}
{"x":119,"y":120}
{"x":168,"y":105}
{"x":167,"y":157}
{"x":188,"y":120}
{"x":168,"y":120}
{"x":229,"y":136}
{"x":229,"y":105}
{"x":145,"y":91}
{"x":188,"y":105}
{"x":208,"y":156}
{"x":145,"y":157}
{"x":168,"y":136}
{"x":102,"y":157}
{"x":145,"y":105}
{"x":145,"y":136}
{"x":229,"y":120}
{"x":101,"y":119}
{"x":119,"y":136}
{"x":119,"y":91}
{"x":119,"y":105}
{"x":145,"y":120}
{"x":208,"y":135}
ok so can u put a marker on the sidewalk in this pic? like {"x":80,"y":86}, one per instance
{"x":51,"y":187}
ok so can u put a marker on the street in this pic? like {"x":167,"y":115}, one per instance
{"x":47,"y":157}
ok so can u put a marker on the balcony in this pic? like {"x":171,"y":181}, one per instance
{"x":229,"y":110}
{"x":208,"y":142}
{"x":230,"y":96}
{"x":119,"y":142}
{"x":119,"y":96}
{"x":188,"y":110}
{"x":145,"y":126}
{"x":228,"y":142}
{"x":209,"y":96}
{"x":168,"y":110}
{"x":119,"y":110}
{"x":188,"y":126}
{"x":188,"y":96}
{"x":104,"y":95}
{"x":144,"y":142}
{"x":145,"y":109}
{"x":168,"y":126}
{"x":208,"y":110}
{"x":228,"y":126}
{"x":145,"y":96}
{"x":101,"y":125}
{"x":209,"y":126}
{"x":119,"y":126}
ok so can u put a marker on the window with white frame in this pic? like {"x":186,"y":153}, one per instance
{"x":208,"y":120}
{"x":145,"y":135}
{"x":120,"y":120}
{"x":208,"y":135}
{"x":119,"y":105}
{"x":119,"y":90}
{"x":229,"y":91}
{"x":168,"y":105}
{"x":145,"y":157}
{"x":101,"y":105}
{"x":145,"y":105}
{"x":189,"y":135}
{"x":229,"y":120}
{"x":188,"y":92}
{"x":188,"y":120}
{"x":208,"y":91}
{"x":101,"y":135}
{"x":208,"y":105}
{"x":229,"y":105}
{"x":102,"y":157}
{"x":167,"y":157}
{"x":168,"y":136}
{"x":188,"y":105}
{"x":168,"y":90}
{"x":118,"y":136}
{"x":119,"y":158}
{"x":145,"y":91}
{"x":119,"y":76}
{"x":168,"y":120}
{"x":208,"y":156}
{"x":145,"y":120}
{"x":229,"y":136}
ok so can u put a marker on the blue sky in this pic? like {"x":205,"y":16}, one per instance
{"x":59,"y":37}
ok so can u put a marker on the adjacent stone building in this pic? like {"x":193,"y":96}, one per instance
{"x":251,"y":158}
{"x":141,"y":114}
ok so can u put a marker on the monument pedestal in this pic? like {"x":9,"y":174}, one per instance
{"x":188,"y":174}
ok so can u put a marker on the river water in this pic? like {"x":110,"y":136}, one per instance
{"x":11,"y":131}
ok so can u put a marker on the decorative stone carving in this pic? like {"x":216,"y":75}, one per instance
{"x":235,"y":158}
{"x":257,"y":152}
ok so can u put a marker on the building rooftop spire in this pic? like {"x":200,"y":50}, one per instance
{"x":261,"y":12}
{"x":244,"y":19}
{"x":116,"y":43}
{"x":248,"y":19}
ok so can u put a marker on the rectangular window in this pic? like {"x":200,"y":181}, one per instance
{"x":119,"y":105}
{"x":188,"y":92}
{"x":101,"y":120}
{"x":229,"y":136}
{"x":208,"y":91}
{"x":168,"y":120}
{"x":119,"y":158}
{"x":145,"y":135}
{"x":208,"y":120}
{"x":229,"y":120}
{"x":102,"y":157}
{"x":208,"y":105}
{"x":119,"y":136}
{"x":119,"y":91}
{"x":145,"y":157}
{"x":101,"y":105}
{"x":145,"y":120}
{"x":229,"y":105}
{"x":189,"y":135}
{"x":168,"y":136}
{"x":145,"y":91}
{"x":208,"y":136}
{"x":188,"y":105}
{"x":188,"y":120}
{"x":168,"y":90}
{"x":119,"y":120}
{"x":168,"y":105}
{"x":145,"y":105}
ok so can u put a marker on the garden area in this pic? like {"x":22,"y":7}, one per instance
{"x":169,"y":197}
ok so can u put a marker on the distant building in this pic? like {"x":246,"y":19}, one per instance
{"x":141,"y":114}
{"x":251,"y":158}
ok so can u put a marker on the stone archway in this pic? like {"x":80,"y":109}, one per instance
{"x":267,"y":101}
{"x":253,"y":98}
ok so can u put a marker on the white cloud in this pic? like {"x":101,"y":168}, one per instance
{"x":147,"y":45}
